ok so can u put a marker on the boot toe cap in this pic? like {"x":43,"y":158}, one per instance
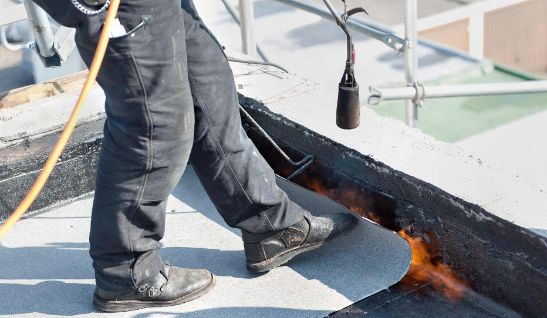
{"x":188,"y":281}
{"x":329,"y":226}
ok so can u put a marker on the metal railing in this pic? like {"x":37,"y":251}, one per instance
{"x":247,"y":42}
{"x":411,"y":60}
{"x":420,"y":92}
{"x":10,"y":46}
{"x":414,"y":92}
{"x":373,"y":30}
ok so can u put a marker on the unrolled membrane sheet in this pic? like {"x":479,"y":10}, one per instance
{"x":45,"y":269}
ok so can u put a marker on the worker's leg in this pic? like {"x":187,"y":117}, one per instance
{"x":239,"y":181}
{"x":148,"y":136}
{"x":236,"y":177}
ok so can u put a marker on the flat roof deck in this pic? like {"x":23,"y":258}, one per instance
{"x":46,"y":270}
{"x":288,"y":97}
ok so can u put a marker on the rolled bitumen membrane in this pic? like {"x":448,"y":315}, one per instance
{"x":46,"y":269}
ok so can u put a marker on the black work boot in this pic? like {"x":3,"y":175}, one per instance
{"x":172,"y":286}
{"x":266,"y":251}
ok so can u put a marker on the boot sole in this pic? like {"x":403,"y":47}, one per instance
{"x":281,"y":259}
{"x":286,"y":256}
{"x":130,"y":305}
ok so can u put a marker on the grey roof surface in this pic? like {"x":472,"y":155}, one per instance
{"x":12,"y":74}
{"x":46,"y":271}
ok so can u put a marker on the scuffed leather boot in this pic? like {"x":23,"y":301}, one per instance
{"x":172,"y":286}
{"x":266,"y":251}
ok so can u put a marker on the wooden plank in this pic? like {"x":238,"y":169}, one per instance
{"x":41,"y":90}
{"x":522,"y":43}
{"x":454,"y":34}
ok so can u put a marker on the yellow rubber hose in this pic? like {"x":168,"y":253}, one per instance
{"x":70,"y":125}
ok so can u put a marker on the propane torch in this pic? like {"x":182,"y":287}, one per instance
{"x":348,"y":109}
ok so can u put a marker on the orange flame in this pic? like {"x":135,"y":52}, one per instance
{"x":350,"y":198}
{"x":426,"y":267}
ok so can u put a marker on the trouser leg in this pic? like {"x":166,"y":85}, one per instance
{"x":148,"y":136}
{"x":236,"y":177}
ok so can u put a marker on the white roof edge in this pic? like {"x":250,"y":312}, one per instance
{"x":386,"y":140}
{"x":404,"y":149}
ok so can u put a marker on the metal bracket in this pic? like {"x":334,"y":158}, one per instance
{"x":419,"y":98}
{"x":397,"y":91}
{"x":376,"y":96}
{"x":64,"y":43}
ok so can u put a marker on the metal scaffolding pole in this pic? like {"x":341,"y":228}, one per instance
{"x":375,"y":31}
{"x":419,"y":92}
{"x":43,"y":35}
{"x":246,"y":14}
{"x":414,"y":93}
{"x":235,"y":16}
{"x":411,"y":60}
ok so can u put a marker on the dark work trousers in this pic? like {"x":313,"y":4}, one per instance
{"x":170,"y":96}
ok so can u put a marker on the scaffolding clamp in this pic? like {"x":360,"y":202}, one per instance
{"x":414,"y":91}
{"x":419,"y":98}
